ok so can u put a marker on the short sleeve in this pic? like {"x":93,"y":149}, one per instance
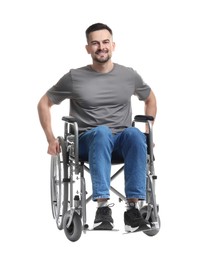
{"x":61,"y":90}
{"x":142,"y":90}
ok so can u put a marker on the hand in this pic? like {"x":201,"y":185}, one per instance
{"x":53,"y":147}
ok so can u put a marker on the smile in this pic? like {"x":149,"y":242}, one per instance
{"x":101,"y":52}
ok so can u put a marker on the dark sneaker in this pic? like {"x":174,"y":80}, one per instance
{"x":103,"y":219}
{"x":134,"y":221}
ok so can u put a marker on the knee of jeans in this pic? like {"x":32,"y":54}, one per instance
{"x":102,"y":132}
{"x":135,"y":134}
{"x":102,"y":129}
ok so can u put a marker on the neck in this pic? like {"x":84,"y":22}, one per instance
{"x":102,"y":67}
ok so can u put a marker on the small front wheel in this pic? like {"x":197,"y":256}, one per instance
{"x":73,"y":232}
{"x":154,"y":230}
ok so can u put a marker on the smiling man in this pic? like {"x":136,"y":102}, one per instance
{"x":100,"y":99}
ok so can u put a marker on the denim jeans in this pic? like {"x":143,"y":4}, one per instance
{"x":99,"y":147}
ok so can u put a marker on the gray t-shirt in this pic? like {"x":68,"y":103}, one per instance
{"x":100,"y":98}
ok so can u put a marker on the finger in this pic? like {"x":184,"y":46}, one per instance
{"x":52,"y":151}
{"x":57,"y":148}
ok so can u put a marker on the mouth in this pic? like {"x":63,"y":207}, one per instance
{"x":101,"y":52}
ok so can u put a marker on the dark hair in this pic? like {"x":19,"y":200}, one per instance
{"x":96,"y":27}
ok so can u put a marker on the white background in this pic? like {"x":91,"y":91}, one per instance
{"x":41,"y":41}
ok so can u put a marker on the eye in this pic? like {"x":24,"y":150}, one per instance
{"x":94,"y":43}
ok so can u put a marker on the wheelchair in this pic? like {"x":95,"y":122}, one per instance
{"x":69,"y":203}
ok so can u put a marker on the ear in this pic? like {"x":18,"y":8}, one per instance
{"x":113,"y":45}
{"x":87,"y":49}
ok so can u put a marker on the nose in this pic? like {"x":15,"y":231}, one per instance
{"x":101,"y":46}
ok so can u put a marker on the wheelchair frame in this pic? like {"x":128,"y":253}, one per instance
{"x":68,"y":206}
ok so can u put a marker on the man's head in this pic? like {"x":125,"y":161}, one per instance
{"x":100,"y":42}
{"x":96,"y":27}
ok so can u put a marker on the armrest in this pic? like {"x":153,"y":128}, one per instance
{"x":143,"y":118}
{"x":69,"y":119}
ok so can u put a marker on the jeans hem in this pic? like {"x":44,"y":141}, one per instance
{"x":136,"y":197}
{"x":100,"y":197}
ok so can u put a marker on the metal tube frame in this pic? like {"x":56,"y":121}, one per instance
{"x":78,"y":168}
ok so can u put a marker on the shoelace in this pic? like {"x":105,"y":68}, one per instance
{"x":108,"y":206}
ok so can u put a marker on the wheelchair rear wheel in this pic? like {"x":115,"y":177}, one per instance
{"x":59,"y":184}
{"x":73,"y":232}
{"x":154,"y":230}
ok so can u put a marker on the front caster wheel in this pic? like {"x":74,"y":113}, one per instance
{"x":73,"y":232}
{"x":154,"y":230}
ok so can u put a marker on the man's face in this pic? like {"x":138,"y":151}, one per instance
{"x":100,"y":46}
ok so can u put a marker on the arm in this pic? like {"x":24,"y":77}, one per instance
{"x":150,"y":106}
{"x":44,"y":106}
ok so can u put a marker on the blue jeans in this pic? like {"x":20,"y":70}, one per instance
{"x":99,"y":147}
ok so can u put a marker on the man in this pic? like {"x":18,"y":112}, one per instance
{"x":100,"y":100}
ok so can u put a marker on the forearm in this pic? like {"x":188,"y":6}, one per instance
{"x":45,"y":118}
{"x":151,"y":110}
{"x":151,"y":107}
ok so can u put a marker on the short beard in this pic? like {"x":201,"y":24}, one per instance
{"x":102,"y":60}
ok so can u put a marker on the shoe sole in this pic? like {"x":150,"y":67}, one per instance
{"x":105,"y":225}
{"x":144,"y":227}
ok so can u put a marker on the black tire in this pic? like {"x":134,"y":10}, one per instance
{"x":153,"y":232}
{"x":59,"y":184}
{"x":73,"y":232}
